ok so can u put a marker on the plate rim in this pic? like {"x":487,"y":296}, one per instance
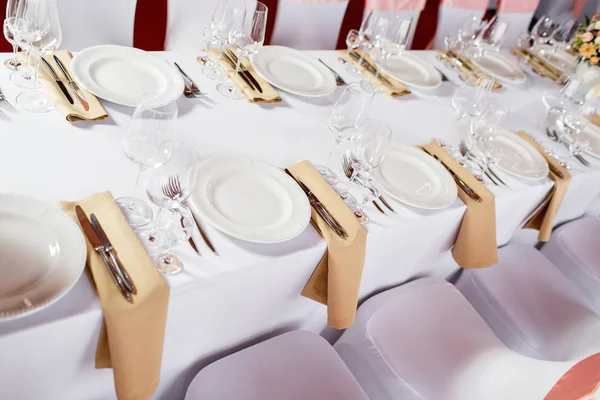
{"x":409,"y":149}
{"x":237,"y":235}
{"x":116,"y":100}
{"x":425,"y":62}
{"x":26,"y":311}
{"x":327,"y":73}
{"x":501,"y":78}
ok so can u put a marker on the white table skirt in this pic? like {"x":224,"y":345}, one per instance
{"x":251,"y":292}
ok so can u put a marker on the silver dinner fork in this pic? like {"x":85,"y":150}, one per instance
{"x":4,"y":102}
{"x":348,"y":171}
{"x":193,"y":91}
{"x":338,"y":79}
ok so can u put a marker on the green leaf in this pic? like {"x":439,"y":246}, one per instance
{"x":587,"y":20}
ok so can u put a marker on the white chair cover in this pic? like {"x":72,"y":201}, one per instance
{"x":575,"y":250}
{"x":185,"y":24}
{"x":423,"y":340}
{"x":532,"y":307}
{"x":86,"y":23}
{"x":452,"y":16}
{"x":309,"y":24}
{"x":518,"y":14}
{"x":297,"y":365}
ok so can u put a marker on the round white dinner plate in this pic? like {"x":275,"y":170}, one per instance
{"x":564,"y":61}
{"x":42,"y":255}
{"x":500,"y":67}
{"x":250,"y":199}
{"x":591,"y":134}
{"x":413,"y":70}
{"x":124,"y":75}
{"x":414,"y":178}
{"x":519,"y":158}
{"x":293,"y":71}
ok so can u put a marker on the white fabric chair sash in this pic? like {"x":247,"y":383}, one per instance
{"x":453,"y":14}
{"x":423,"y":340}
{"x":309,"y":24}
{"x":88,"y":23}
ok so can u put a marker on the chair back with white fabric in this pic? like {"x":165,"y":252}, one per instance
{"x":309,"y":24}
{"x":574,"y":249}
{"x":453,"y":14}
{"x":532,"y":307}
{"x":405,"y":9}
{"x":518,"y":14}
{"x":423,"y":340}
{"x":297,"y":365}
{"x":88,"y":23}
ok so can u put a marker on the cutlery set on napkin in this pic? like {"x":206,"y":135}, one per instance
{"x":540,"y":66}
{"x":465,"y":66}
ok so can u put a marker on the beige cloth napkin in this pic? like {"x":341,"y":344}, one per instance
{"x":336,"y":280}
{"x":596,"y":120}
{"x":389,"y":85}
{"x":539,"y":65}
{"x":475,"y":245}
{"x":543,"y":218}
{"x":269,"y":95}
{"x":73,"y":112}
{"x":465,"y":65}
{"x":132,"y":337}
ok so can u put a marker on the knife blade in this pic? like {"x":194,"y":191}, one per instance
{"x":320,"y":208}
{"x":78,"y":93}
{"x":61,"y":85}
{"x":90,"y":233}
{"x":110,"y":250}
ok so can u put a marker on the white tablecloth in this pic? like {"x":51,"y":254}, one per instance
{"x":251,"y":292}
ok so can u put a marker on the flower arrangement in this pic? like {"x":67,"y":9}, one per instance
{"x":587,"y":42}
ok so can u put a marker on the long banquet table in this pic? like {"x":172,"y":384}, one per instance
{"x":249,"y":292}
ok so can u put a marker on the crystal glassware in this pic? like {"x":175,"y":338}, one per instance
{"x":484,"y":128}
{"x":38,"y":23}
{"x":14,"y":64}
{"x":149,"y":142}
{"x":352,"y":41}
{"x":469,"y":97}
{"x":247,"y":36}
{"x":379,"y":30}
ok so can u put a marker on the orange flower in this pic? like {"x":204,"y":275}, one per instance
{"x":587,"y":50}
{"x":594,"y":60}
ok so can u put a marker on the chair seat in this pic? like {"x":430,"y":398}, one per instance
{"x":575,"y":250}
{"x":296,"y":365}
{"x":532,"y":307}
{"x":423,"y":340}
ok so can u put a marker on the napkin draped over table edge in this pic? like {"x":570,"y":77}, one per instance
{"x":475,"y":245}
{"x":543,"y":219}
{"x":335,"y":281}
{"x":268,"y":96}
{"x":73,"y":112}
{"x":132,"y":336}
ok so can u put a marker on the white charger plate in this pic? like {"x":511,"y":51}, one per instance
{"x":412,"y":70}
{"x":519,"y":158}
{"x":124,"y":75}
{"x":293,"y":71}
{"x":414,"y":178}
{"x":250,"y":200}
{"x":42,"y":255}
{"x":499,"y":66}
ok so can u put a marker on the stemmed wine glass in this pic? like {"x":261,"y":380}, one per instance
{"x":367,"y":152}
{"x":38,"y":23}
{"x":223,"y":18}
{"x":352,"y":41}
{"x":562,"y":37}
{"x":247,"y":36}
{"x":14,"y":64}
{"x":348,"y":113}
{"x":378,"y":32}
{"x":491,"y":37}
{"x":542,"y":31}
{"x":169,"y":186}
{"x":364,"y":33}
{"x":469,"y":97}
{"x":573,"y":121}
{"x":149,"y":142}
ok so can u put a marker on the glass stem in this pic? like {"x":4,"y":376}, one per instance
{"x":362,"y":54}
{"x":219,"y":53}
{"x":237,"y":68}
{"x":16,"y":51}
{"x":333,"y":149}
{"x":38,"y":60}
{"x":137,"y":180}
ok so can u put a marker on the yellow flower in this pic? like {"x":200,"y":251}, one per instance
{"x":594,"y":60}
{"x":587,"y":50}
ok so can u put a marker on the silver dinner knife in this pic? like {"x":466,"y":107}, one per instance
{"x":78,"y":93}
{"x":108,"y":248}
{"x":61,"y":85}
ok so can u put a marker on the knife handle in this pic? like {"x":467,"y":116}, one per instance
{"x":115,"y":277}
{"x":123,"y":273}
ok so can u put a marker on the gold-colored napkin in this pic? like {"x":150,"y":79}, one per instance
{"x":596,"y":120}
{"x":475,"y":245}
{"x":389,"y":85}
{"x":465,"y":65}
{"x":132,"y":337}
{"x":539,"y":65}
{"x":336,"y":280}
{"x":543,"y":218}
{"x":269,"y":95}
{"x":73,"y":112}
